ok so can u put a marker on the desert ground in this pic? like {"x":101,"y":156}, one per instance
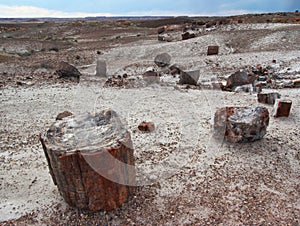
{"x":189,"y":178}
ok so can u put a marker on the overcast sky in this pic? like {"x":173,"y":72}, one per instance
{"x":81,"y":8}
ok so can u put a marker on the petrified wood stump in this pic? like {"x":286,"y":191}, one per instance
{"x":91,"y":160}
{"x":282,"y":108}
{"x":241,"y":124}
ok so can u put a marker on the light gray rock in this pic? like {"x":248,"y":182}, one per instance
{"x":101,"y":70}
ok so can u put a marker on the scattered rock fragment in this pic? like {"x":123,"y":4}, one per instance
{"x":282,"y":108}
{"x":68,"y":71}
{"x":119,"y":81}
{"x":212,"y":50}
{"x":64,"y":114}
{"x":146,"y":126}
{"x":189,"y":78}
{"x":162,"y":60}
{"x":161,"y":30}
{"x":151,"y":77}
{"x":241,"y":124}
{"x":268,"y":98}
{"x":240,"y":78}
{"x":187,"y":35}
{"x":296,"y":83}
{"x":245,"y":88}
{"x":175,"y":69}
{"x":101,"y":68}
{"x":165,"y":38}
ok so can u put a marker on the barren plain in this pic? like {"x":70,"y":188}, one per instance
{"x":191,"y":178}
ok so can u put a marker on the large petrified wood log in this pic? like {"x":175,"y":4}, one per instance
{"x":241,"y":124}
{"x":91,"y":160}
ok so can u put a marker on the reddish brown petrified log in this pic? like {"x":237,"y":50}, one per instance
{"x":282,"y":108}
{"x":91,"y":160}
{"x":212,"y":50}
{"x":146,"y":126}
{"x":241,"y":124}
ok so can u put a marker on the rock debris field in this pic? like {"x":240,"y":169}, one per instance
{"x":185,"y":175}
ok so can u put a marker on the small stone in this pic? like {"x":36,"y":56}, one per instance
{"x":240,"y":78}
{"x":64,"y":114}
{"x":151,"y":77}
{"x":146,"y":126}
{"x":268,"y":98}
{"x":162,"y":60}
{"x":296,"y":83}
{"x":161,"y":30}
{"x":187,"y":35}
{"x":212,"y":50}
{"x":68,"y":71}
{"x":101,"y":68}
{"x":282,"y":108}
{"x":189,"y":78}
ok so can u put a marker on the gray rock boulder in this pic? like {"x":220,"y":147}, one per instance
{"x":162,"y":60}
{"x":68,"y":71}
{"x":189,"y":78}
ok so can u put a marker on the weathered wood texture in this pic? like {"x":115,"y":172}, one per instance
{"x":241,"y":124}
{"x":94,"y":177}
{"x":282,"y":108}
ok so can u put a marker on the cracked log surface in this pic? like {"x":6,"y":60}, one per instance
{"x":91,"y":160}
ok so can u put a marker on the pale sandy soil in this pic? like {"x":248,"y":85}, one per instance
{"x":187,"y":176}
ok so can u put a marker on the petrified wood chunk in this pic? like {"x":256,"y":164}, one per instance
{"x":91,"y":160}
{"x":64,"y":114}
{"x":212,"y":50}
{"x":241,"y":124}
{"x":101,"y":68}
{"x":268,"y":98}
{"x":146,"y":126}
{"x":189,"y":78}
{"x":282,"y":108}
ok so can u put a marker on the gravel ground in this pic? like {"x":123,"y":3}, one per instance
{"x":187,"y":177}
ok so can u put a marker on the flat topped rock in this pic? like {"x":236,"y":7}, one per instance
{"x":241,"y":124}
{"x":91,"y":161}
{"x":86,"y":131}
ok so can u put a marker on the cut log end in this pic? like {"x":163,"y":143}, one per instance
{"x":241,"y":124}
{"x":91,"y":160}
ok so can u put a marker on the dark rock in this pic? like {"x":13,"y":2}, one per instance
{"x":187,"y":35}
{"x":175,"y":69}
{"x":146,"y":126}
{"x":282,"y":108}
{"x":241,"y":124}
{"x":212,"y":50}
{"x":68,"y":71}
{"x":64,"y":114}
{"x":189,"y":78}
{"x":268,"y":98}
{"x":161,"y":30}
{"x":151,"y":77}
{"x":101,"y":68}
{"x":240,"y":78}
{"x":162,"y":60}
{"x":296,"y":83}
